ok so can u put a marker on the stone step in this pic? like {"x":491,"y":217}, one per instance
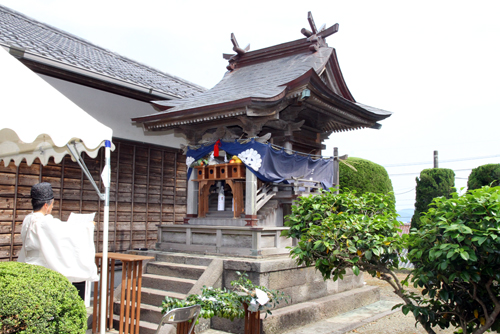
{"x":150,"y":328}
{"x":220,"y":214}
{"x":217,"y":221}
{"x":297,"y":315}
{"x":149,"y":313}
{"x":147,"y":327}
{"x":183,"y":258}
{"x":178,"y":270}
{"x":155,"y":296}
{"x":160,"y":282}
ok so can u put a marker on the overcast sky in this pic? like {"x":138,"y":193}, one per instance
{"x":435,"y":64}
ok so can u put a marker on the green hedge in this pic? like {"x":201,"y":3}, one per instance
{"x":485,"y":175}
{"x":34,"y":299}
{"x":433,"y":182}
{"x":369,"y":177}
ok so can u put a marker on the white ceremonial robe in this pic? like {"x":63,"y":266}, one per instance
{"x":67,"y":248}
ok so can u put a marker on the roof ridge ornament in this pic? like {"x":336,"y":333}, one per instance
{"x":317,"y":37}
{"x":239,"y":52}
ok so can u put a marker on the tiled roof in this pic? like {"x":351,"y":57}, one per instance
{"x":262,"y":81}
{"x":43,"y":40}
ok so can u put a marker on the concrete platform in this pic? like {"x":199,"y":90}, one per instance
{"x":350,"y":320}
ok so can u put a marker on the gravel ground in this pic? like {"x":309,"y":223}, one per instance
{"x":396,"y":323}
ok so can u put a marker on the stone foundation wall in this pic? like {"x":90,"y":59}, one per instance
{"x":283,"y":274}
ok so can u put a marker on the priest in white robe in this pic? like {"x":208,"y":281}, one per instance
{"x":65,"y":247}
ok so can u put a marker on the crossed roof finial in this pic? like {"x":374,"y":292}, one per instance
{"x":317,"y":37}
{"x":239,"y":51}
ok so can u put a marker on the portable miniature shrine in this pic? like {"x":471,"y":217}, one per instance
{"x":272,"y":111}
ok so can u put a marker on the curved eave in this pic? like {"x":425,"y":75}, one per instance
{"x":331,"y":103}
{"x":339,"y":78}
{"x":323,"y":93}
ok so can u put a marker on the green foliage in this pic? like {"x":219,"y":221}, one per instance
{"x":485,"y":175}
{"x":433,"y":182}
{"x":368,"y":177}
{"x":34,"y":299}
{"x":456,"y":253}
{"x":214,"y":302}
{"x":346,"y":231}
{"x":228,"y":303}
{"x":249,"y":295}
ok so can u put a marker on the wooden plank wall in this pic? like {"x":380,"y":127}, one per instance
{"x":148,"y":187}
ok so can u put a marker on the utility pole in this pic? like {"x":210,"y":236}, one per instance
{"x":436,"y":162}
{"x":336,"y":168}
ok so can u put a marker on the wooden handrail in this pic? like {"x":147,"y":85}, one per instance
{"x":130,"y":299}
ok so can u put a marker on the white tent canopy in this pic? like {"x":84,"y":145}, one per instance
{"x":37,"y":121}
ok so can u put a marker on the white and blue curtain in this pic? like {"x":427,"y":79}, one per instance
{"x":269,"y":164}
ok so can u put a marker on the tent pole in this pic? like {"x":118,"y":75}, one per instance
{"x":85,"y":170}
{"x":106,"y":177}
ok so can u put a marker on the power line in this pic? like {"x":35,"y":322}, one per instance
{"x":405,"y":192}
{"x":441,"y":161}
{"x":414,"y":173}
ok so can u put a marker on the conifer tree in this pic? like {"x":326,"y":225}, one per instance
{"x":485,"y":175}
{"x":368,"y":177}
{"x":433,"y":182}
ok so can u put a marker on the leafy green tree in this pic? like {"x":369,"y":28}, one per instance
{"x":34,"y":299}
{"x":344,"y":232}
{"x":433,"y":182}
{"x":485,"y":175}
{"x":455,"y":252}
{"x":456,"y":256}
{"x":367,"y":177}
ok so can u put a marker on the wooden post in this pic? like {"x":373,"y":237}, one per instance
{"x":252,"y":321}
{"x":250,"y":198}
{"x":436,"y":162}
{"x":130,"y":301}
{"x":336,"y":168}
{"x":192,"y":195}
{"x":183,"y":328}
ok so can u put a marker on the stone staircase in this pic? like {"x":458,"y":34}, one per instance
{"x":169,"y":275}
{"x":270,"y":213}
{"x":312,"y":299}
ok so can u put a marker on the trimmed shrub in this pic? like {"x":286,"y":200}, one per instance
{"x":433,"y":182}
{"x":34,"y":299}
{"x":485,"y":175}
{"x":455,"y":253}
{"x":369,"y":177}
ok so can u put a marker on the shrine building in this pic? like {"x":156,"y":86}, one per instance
{"x":271,"y":113}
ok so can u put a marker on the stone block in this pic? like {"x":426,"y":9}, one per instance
{"x":358,"y":281}
{"x":226,"y":325}
{"x":287,"y":278}
{"x":236,"y":240}
{"x":203,"y":238}
{"x":174,"y":237}
{"x":345,"y":284}
{"x":332,"y":287}
{"x":267,"y":241}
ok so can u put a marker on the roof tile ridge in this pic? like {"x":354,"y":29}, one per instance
{"x":91,"y":44}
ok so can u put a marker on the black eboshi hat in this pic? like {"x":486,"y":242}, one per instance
{"x":42,"y":192}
